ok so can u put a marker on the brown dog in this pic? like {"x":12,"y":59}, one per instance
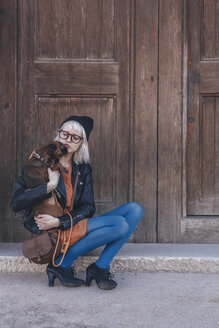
{"x":35,"y":174}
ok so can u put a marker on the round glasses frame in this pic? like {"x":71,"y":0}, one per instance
{"x":74,"y":137}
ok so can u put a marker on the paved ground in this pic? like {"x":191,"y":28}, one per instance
{"x":144,"y":300}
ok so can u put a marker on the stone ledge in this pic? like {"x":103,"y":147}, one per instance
{"x":198,"y":258}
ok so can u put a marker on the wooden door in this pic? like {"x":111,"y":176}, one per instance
{"x":84,"y":57}
{"x":73,"y":59}
{"x":203,"y":108}
{"x":147,"y":72}
{"x":202,"y":141}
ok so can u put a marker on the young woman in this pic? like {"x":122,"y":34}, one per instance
{"x":112,"y":229}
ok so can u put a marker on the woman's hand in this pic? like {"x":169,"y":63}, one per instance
{"x":46,"y":221}
{"x":53,"y":179}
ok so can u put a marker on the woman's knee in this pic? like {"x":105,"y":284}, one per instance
{"x":136,"y":208}
{"x":121,"y":225}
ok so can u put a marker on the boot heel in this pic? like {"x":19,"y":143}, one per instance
{"x":51,"y":278}
{"x":88,"y":279}
{"x":102,"y":276}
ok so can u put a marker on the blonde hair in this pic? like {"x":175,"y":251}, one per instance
{"x":82,"y":154}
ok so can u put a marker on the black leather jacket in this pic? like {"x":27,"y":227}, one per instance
{"x":23,"y":199}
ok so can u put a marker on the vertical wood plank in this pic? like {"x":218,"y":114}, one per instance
{"x":210,"y":21}
{"x":107,"y":47}
{"x":8,"y":113}
{"x":169,"y":120}
{"x":145,"y":117}
{"x":193,"y":105}
{"x":26,"y":94}
{"x":207,"y":149}
{"x":27,"y":127}
{"x":122,"y":100}
{"x":216,"y":127}
{"x":217,"y":30}
{"x":93,"y":31}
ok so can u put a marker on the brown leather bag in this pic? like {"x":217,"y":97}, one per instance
{"x":40,"y":248}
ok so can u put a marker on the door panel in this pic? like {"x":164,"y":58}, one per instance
{"x":203,"y":91}
{"x":78,"y":29}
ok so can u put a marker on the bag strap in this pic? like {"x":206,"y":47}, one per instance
{"x":65,"y":244}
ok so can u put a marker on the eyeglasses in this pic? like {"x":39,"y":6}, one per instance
{"x":74,"y":137}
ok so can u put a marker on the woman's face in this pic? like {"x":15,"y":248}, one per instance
{"x":67,"y":130}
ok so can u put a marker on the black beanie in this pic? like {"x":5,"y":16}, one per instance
{"x":86,"y":121}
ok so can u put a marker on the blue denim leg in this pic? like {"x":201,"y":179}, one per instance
{"x":111,"y":229}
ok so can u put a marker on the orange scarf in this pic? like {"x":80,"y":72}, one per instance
{"x":68,"y":187}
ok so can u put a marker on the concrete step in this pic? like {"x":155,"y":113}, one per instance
{"x":132,"y":257}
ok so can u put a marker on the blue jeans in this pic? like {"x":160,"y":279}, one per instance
{"x":112,"y":229}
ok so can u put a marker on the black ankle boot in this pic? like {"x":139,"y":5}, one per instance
{"x":101,"y":277}
{"x":65,"y":275}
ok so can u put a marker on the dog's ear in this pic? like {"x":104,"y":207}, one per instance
{"x":51,"y":148}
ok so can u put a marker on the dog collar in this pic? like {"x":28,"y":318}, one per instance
{"x":37,"y":156}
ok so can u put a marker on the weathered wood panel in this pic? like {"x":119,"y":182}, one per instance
{"x":203,"y":90}
{"x":84,"y":29}
{"x":208,"y":197}
{"x":76,"y":78}
{"x":198,"y":224}
{"x":8,"y":113}
{"x":170,"y":120}
{"x":145,"y":116}
{"x":210,"y":29}
{"x":209,"y":77}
